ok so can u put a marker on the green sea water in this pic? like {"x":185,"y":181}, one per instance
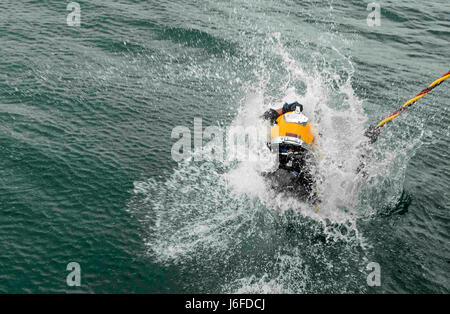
{"x":87,"y":176}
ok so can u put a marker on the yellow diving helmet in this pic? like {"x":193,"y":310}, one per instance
{"x":292,"y":128}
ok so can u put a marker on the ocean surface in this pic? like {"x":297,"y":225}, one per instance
{"x":87,"y":174}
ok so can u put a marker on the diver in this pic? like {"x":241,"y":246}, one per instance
{"x":291,"y":137}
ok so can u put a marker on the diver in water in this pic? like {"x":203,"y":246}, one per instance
{"x":292,"y":138}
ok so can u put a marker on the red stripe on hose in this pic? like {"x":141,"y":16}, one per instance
{"x":425,"y":91}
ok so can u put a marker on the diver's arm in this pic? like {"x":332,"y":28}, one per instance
{"x":271,"y":115}
{"x":290,"y":107}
